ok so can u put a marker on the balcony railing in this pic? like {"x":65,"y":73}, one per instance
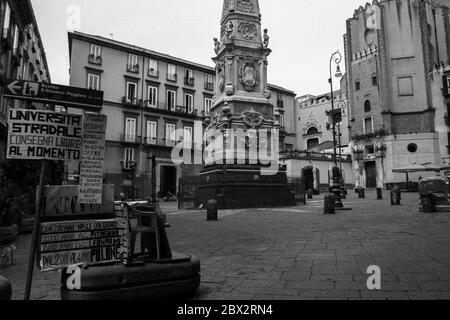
{"x":133,"y":102}
{"x":189,"y":81}
{"x":133,"y":68}
{"x":153,"y":73}
{"x":95,"y":59}
{"x":172,"y":77}
{"x":312,"y":155}
{"x":133,"y":139}
{"x":209,"y":86}
{"x":160,"y":142}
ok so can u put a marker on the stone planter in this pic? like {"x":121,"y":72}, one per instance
{"x":26,"y":226}
{"x":8,"y":234}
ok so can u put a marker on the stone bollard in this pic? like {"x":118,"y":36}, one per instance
{"x":428,"y":203}
{"x":212,"y":210}
{"x":5,"y":289}
{"x":361,"y":193}
{"x":396,"y":196}
{"x":329,"y":204}
{"x":379,"y":194}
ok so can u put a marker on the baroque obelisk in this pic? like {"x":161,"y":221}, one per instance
{"x":242,"y":122}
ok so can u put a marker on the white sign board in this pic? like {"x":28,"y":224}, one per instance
{"x":93,"y":153}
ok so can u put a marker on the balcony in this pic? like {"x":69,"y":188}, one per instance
{"x":131,"y":139}
{"x":209,"y":86}
{"x":153,"y":73}
{"x":133,"y":103}
{"x":93,"y":59}
{"x":172,"y":77}
{"x":133,"y":68}
{"x":128,"y":165}
{"x":160,"y":142}
{"x":189,"y":81}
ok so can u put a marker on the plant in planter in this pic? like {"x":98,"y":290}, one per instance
{"x":8,"y":229}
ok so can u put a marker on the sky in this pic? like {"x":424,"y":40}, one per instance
{"x":303,"y":33}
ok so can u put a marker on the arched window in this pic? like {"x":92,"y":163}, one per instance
{"x":312,"y":131}
{"x":367,"y":106}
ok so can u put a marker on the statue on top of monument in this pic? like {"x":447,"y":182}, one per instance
{"x":216,"y":45}
{"x":266,"y":39}
{"x":229,"y":30}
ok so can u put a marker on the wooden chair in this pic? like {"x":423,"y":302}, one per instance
{"x":147,"y":223}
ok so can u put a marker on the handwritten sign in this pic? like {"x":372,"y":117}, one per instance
{"x":64,"y":201}
{"x":95,"y":241}
{"x":93,"y":153}
{"x":36,"y":135}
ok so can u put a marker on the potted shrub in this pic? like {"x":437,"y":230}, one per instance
{"x":8,"y":229}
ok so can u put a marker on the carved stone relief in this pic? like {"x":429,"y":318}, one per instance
{"x":247,"y":76}
{"x":248,"y":30}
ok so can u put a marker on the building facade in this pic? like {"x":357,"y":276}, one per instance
{"x":153,"y":101}
{"x":312,"y":122}
{"x":391,"y":50}
{"x":22,"y":56}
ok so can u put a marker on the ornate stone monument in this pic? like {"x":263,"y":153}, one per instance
{"x":242,"y":170}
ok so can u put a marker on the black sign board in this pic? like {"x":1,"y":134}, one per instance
{"x":86,"y":99}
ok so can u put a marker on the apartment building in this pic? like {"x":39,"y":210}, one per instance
{"x":148,"y":98}
{"x":22,"y":56}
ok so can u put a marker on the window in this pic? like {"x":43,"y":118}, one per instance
{"x":6,"y":19}
{"x":95,"y":51}
{"x":412,"y":147}
{"x":171,"y":100}
{"x":25,"y":69}
{"x":357,"y":85}
{"x":368,"y":125}
{"x":367,"y":106}
{"x":189,"y":77}
{"x":312,"y":143}
{"x":131,"y":92}
{"x":208,"y":105}
{"x":152,"y":97}
{"x":209,"y":85}
{"x":153,"y":68}
{"x":130,"y":130}
{"x":374,"y":80}
{"x":172,"y":72}
{"x":133,"y":65}
{"x":129,"y":157}
{"x":405,"y":86}
{"x":312,"y":131}
{"x":16,"y":39}
{"x":170,"y":134}
{"x":187,"y":137}
{"x":93,"y":81}
{"x":189,"y":102}
{"x":151,"y":132}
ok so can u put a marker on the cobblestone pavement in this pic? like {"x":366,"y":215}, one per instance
{"x":298,"y":253}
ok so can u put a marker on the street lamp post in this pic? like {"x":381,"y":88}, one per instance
{"x":336,"y":172}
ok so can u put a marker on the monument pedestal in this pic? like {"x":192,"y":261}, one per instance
{"x":243,"y":186}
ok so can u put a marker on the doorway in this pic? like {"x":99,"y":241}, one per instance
{"x":168,"y":181}
{"x":371,"y":174}
{"x":308,"y":178}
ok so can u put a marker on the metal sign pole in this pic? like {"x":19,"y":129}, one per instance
{"x":34,"y":240}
